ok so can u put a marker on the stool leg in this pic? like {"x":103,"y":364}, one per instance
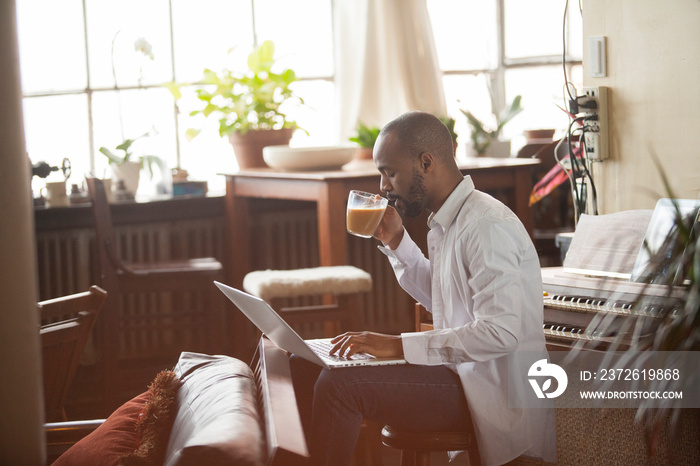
{"x":408,"y":458}
{"x":351,"y":306}
{"x":422,"y":458}
{"x":331,"y":329}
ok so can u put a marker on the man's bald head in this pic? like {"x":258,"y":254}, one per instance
{"x":420,"y":132}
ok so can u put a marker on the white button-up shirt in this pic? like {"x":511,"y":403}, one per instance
{"x":483,"y":285}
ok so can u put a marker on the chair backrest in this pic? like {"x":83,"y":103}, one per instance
{"x":66,"y":325}
{"x":107,"y":258}
{"x":424,"y":319}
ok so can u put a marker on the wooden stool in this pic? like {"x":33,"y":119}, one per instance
{"x":416,"y":446}
{"x":344,"y":283}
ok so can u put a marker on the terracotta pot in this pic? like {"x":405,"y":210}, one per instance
{"x":363,"y":153}
{"x":248,"y":147}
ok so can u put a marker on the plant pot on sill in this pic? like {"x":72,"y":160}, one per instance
{"x":496,"y":148}
{"x":128,"y":172}
{"x":248,"y":147}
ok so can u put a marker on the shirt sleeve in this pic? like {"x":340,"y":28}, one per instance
{"x":412,"y":269}
{"x":493,"y":258}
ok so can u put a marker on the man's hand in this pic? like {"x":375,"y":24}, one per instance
{"x":376,"y":344}
{"x":390,"y":229}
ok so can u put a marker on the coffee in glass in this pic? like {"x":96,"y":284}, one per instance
{"x":364,"y":212}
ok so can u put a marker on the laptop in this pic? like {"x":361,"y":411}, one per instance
{"x":280,"y":333}
{"x":663,"y":229}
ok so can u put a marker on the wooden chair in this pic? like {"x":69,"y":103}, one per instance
{"x":416,"y":446}
{"x":66,"y":326}
{"x":154,"y":310}
{"x":424,"y":319}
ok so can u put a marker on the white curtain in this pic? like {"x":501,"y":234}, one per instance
{"x":386,"y":63}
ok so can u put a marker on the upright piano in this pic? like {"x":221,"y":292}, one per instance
{"x":598,"y":299}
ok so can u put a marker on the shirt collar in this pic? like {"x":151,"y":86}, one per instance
{"x":449,"y":209}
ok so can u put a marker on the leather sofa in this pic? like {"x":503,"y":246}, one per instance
{"x":213,"y":410}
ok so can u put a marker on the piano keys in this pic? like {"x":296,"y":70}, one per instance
{"x":599,"y":312}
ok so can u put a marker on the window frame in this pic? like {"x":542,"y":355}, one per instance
{"x":89,"y":91}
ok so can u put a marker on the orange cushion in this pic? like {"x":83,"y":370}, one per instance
{"x":115,"y":438}
{"x":135,"y":434}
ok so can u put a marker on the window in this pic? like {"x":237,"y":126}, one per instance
{"x":492,"y":50}
{"x":86,"y":86}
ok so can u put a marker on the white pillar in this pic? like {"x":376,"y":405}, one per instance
{"x":21,"y":394}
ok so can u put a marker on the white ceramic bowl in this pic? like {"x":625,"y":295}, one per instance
{"x":307,"y":158}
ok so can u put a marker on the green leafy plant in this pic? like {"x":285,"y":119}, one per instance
{"x":248,"y":101}
{"x":450,"y":123}
{"x":673,"y":330}
{"x":129,"y":156}
{"x":366,"y":136}
{"x":145,"y":51}
{"x":481,"y":136}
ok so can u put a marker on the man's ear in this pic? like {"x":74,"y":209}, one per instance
{"x":427,"y":162}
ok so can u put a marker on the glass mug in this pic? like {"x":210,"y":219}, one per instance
{"x":365,"y":211}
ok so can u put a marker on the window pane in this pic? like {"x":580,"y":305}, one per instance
{"x":208,"y":153}
{"x":465,"y":33}
{"x":467,"y":92}
{"x":203,"y":38}
{"x":51,"y":45}
{"x":542,"y":89}
{"x":574,"y":32}
{"x":57,"y":127}
{"x":317,"y":115}
{"x":144,"y":111}
{"x":116,"y":25}
{"x":303,"y":37}
{"x":534,"y":28}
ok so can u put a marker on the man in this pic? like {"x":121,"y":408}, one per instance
{"x":482,"y":284}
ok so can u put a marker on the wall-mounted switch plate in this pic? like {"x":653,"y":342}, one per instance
{"x":597,"y":57}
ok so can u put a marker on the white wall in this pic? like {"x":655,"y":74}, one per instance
{"x":653,"y":64}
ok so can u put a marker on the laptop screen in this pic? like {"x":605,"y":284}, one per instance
{"x":663,"y":241}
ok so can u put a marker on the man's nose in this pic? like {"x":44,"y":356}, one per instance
{"x":384,"y":184}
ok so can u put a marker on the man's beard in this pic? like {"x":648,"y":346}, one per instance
{"x":413,"y":203}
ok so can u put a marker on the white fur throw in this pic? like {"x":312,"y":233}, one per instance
{"x":342,"y":279}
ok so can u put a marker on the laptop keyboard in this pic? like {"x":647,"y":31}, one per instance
{"x":323,"y":347}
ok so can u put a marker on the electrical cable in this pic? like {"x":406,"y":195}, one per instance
{"x":581,"y":169}
{"x":563,"y":58}
{"x":575,"y":162}
{"x":589,"y":176}
{"x":572,"y":174}
{"x":572,"y":182}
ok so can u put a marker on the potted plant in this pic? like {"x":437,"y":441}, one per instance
{"x":126,"y":166}
{"x":673,"y":331}
{"x":450,"y":123}
{"x":248,"y":106}
{"x":365,"y":137}
{"x":482,"y":137}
